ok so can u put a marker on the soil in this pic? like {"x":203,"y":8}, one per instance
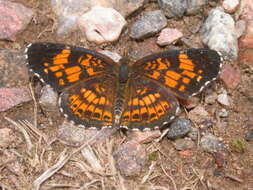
{"x":192,"y":169}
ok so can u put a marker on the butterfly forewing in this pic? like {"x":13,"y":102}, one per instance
{"x":61,"y":65}
{"x":185,"y":72}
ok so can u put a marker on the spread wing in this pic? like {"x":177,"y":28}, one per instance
{"x":61,"y":65}
{"x":149,"y":105}
{"x":90,"y":104}
{"x":184,"y":72}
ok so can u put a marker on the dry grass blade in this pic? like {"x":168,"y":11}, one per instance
{"x":35,"y":105}
{"x":162,"y":135}
{"x":121,"y":183}
{"x":64,"y":158}
{"x":53,"y":186}
{"x":159,"y":188}
{"x":51,"y":171}
{"x":171,"y":178}
{"x":87,"y":185}
{"x":35,"y":130}
{"x":5,"y":187}
{"x":91,"y":158}
{"x":151,"y":169}
{"x":23,"y":131}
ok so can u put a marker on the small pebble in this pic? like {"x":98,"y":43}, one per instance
{"x":179,"y":128}
{"x":168,"y":36}
{"x":210,"y":143}
{"x":223,"y":99}
{"x":48,"y":99}
{"x":249,"y":135}
{"x":223,"y":113}
{"x":184,"y":144}
{"x":211,"y":98}
{"x":191,"y":102}
{"x":147,"y":25}
{"x":130,"y":158}
{"x":199,"y":114}
{"x":230,"y":76}
{"x":230,"y":6}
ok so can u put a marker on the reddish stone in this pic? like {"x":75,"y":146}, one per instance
{"x":230,"y":76}
{"x":246,"y":41}
{"x":130,"y":158}
{"x":246,"y":45}
{"x":10,"y":97}
{"x":168,"y":36}
{"x":14,"y":17}
{"x":220,"y":158}
{"x":230,"y":6}
{"x":246,"y":9}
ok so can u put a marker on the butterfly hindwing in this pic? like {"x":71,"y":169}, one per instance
{"x":61,"y":65}
{"x":148,"y":105}
{"x":185,"y":72}
{"x":90,"y":104}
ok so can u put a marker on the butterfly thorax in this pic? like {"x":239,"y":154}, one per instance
{"x":123,"y":77}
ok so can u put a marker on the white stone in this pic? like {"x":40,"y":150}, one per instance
{"x":102,"y":24}
{"x":223,"y":99}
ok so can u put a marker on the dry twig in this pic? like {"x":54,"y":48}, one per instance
{"x":23,"y":131}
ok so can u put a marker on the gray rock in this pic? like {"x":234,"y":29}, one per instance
{"x":149,"y":24}
{"x":249,"y":135}
{"x":219,"y":33}
{"x":194,"y":6}
{"x":173,"y":8}
{"x":211,"y":144}
{"x":184,"y":144}
{"x":48,"y":98}
{"x":179,"y":128}
{"x":68,"y":12}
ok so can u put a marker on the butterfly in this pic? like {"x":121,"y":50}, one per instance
{"x":97,"y":92}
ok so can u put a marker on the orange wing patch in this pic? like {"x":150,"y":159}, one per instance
{"x":88,"y":105}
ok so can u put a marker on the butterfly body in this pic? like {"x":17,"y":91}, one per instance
{"x":96,"y":92}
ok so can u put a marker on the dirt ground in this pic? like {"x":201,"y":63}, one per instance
{"x":171,"y":169}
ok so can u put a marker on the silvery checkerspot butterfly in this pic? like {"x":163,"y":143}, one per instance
{"x":96,"y":92}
